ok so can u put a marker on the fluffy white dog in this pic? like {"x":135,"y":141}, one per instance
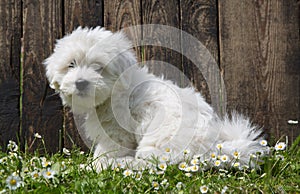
{"x":130,"y":113}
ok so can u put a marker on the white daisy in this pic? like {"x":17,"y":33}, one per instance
{"x":219,"y":146}
{"x":162,"y":166}
{"x":263,"y":142}
{"x":127,"y":173}
{"x":66,"y":151}
{"x":236,"y":154}
{"x":35,"y":174}
{"x":12,"y":146}
{"x":186,"y":151}
{"x":121,"y":163}
{"x":182,"y":166}
{"x":236,"y":164}
{"x":224,"y":158}
{"x":292,"y":122}
{"x":217,"y":163}
{"x":213,"y":156}
{"x":13,"y":182}
{"x":151,"y":171}
{"x":194,"y":168}
{"x":37,"y":135}
{"x":188,"y":169}
{"x":164,"y":158}
{"x":155,"y":185}
{"x":138,"y":176}
{"x":3,"y":160}
{"x":180,"y":185}
{"x":63,"y":165}
{"x":45,"y":163}
{"x":195,"y":161}
{"x":204,"y":189}
{"x":48,"y":174}
{"x":280,"y":146}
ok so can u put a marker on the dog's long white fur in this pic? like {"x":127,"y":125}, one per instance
{"x":132,"y":113}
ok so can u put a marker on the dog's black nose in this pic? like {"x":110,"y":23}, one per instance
{"x":81,"y":84}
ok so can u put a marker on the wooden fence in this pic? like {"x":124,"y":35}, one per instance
{"x":256,"y":44}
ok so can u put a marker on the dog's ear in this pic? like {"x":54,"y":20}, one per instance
{"x":115,"y":51}
{"x":122,"y":66}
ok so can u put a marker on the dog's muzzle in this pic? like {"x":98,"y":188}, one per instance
{"x":81,"y":85}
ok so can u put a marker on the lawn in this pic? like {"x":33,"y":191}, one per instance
{"x":71,"y":172}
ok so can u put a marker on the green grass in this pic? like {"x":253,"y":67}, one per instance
{"x":74,"y":174}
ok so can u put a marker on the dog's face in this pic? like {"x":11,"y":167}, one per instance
{"x":85,"y":66}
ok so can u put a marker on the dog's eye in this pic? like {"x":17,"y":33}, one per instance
{"x":97,"y":67}
{"x":72,"y":64}
{"x":99,"y":70}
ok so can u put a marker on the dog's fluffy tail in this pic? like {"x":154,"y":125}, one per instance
{"x":239,"y":141}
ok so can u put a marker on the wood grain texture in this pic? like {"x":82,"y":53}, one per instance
{"x":259,"y":49}
{"x":86,"y":14}
{"x":199,"y":19}
{"x":122,"y":14}
{"x":82,"y":13}
{"x":42,"y":111}
{"x":161,"y":58}
{"x":10,"y":49}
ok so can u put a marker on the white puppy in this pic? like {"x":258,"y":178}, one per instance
{"x":132,"y":113}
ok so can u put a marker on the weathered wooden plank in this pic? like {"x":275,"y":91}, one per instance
{"x":82,"y":13}
{"x":199,"y":19}
{"x":42,"y":111}
{"x":161,"y":58}
{"x":10,"y":49}
{"x":86,"y":14}
{"x":122,"y":14}
{"x":259,"y":42}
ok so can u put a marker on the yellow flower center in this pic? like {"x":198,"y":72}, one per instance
{"x":213,"y":155}
{"x":217,"y":163}
{"x":164,"y":158}
{"x":13,"y":182}
{"x":236,"y":164}
{"x":35,"y":175}
{"x":48,"y":173}
{"x":155,"y":184}
{"x":168,"y":150}
{"x":236,"y":153}
{"x":182,"y":165}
